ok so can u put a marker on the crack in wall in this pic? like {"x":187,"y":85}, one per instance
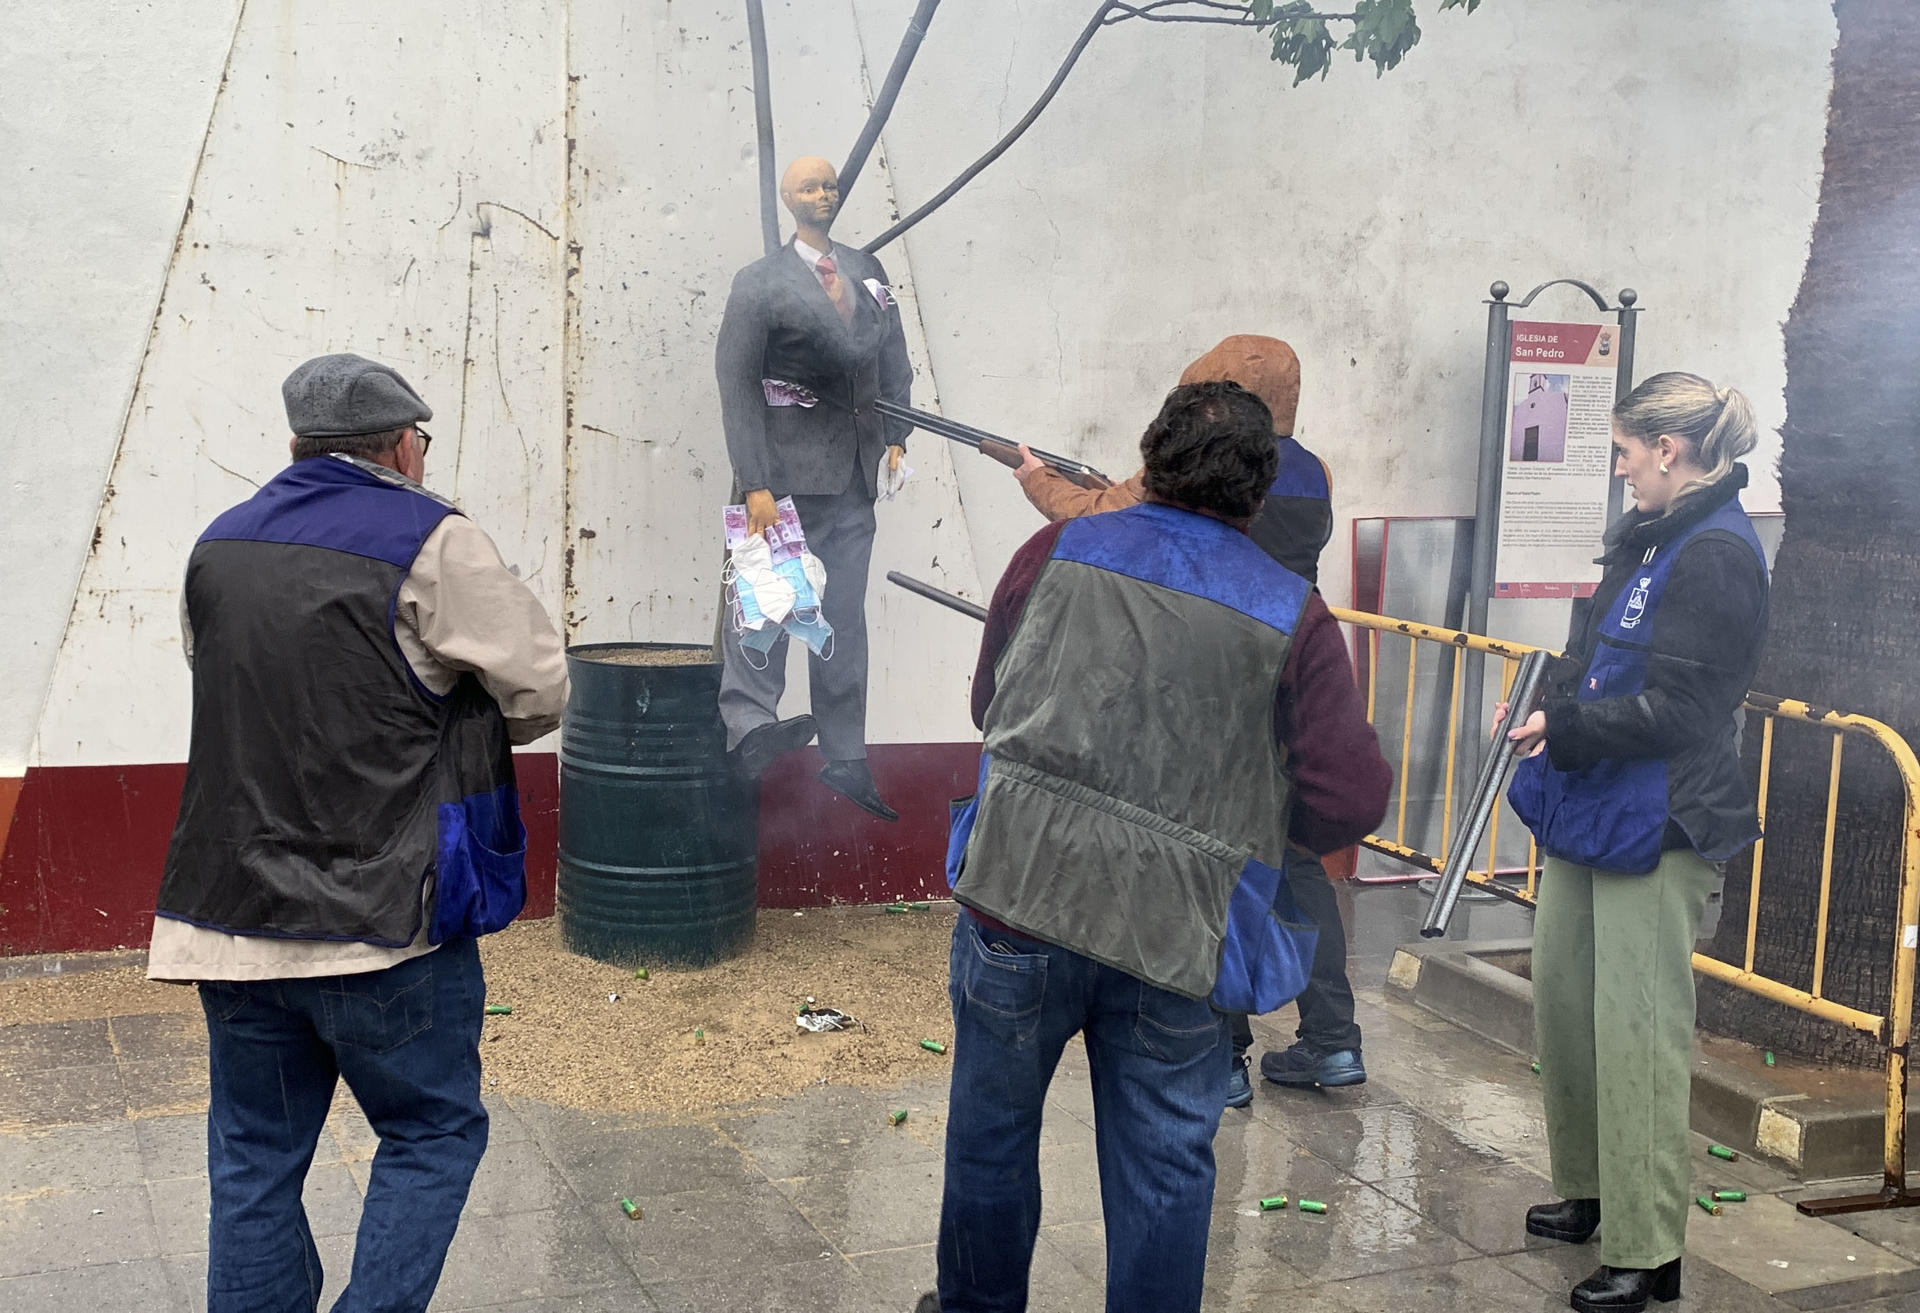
{"x":105,"y":500}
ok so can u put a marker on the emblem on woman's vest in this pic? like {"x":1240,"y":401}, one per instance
{"x":1636,"y":603}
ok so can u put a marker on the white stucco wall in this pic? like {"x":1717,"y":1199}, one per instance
{"x":534,"y":211}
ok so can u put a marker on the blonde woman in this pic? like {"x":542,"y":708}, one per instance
{"x":1637,"y":800}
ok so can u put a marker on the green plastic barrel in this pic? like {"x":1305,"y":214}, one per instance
{"x":657,"y":836}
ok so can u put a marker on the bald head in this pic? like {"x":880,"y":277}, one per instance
{"x":810,"y":189}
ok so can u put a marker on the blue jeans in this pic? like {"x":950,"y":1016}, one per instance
{"x":407,"y":1042}
{"x":1159,"y":1064}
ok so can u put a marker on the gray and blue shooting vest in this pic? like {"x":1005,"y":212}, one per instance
{"x":330,"y":794}
{"x":1134,"y":803}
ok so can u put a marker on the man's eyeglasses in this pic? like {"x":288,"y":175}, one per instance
{"x":426,"y":439}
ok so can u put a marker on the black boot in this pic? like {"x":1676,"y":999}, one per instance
{"x":1571,"y":1220}
{"x":1627,"y":1289}
{"x":854,"y":782}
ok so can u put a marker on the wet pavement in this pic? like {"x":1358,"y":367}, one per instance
{"x":816,"y":1202}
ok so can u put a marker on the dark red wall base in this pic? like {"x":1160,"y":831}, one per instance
{"x":82,"y":860}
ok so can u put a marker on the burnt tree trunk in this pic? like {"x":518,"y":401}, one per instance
{"x":1846,"y":587}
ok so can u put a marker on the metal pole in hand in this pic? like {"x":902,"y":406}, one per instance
{"x":1486,"y":796}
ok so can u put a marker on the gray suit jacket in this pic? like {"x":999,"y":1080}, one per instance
{"x":781,"y":324}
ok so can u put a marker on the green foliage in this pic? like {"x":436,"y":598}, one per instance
{"x":1300,"y":38}
{"x":1383,"y":32}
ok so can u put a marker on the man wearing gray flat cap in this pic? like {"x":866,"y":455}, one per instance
{"x":363,"y":661}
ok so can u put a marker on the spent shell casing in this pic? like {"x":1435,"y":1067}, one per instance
{"x":1536,"y":1069}
{"x":1723,"y":1153}
{"x":499,"y":1010}
{"x":1310,"y":1206}
{"x":630,"y":1208}
{"x":897,"y":1116}
{"x":933,"y":1046}
{"x":641,"y":973}
{"x":1769,"y":1057}
{"x":1729,"y":1196}
{"x":1273,"y":1204}
{"x":1707,"y":1204}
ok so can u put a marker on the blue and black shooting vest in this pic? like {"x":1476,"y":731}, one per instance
{"x":330,"y":794}
{"x":1297,"y":520}
{"x":1134,"y":803}
{"x":1613,"y":815}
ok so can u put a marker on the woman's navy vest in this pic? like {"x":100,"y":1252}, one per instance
{"x":1613,"y":814}
{"x":329,"y":794}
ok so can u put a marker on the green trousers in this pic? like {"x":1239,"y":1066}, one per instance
{"x":1613,"y":1028}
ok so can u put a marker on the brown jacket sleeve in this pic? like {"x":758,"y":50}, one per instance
{"x":1058,"y":498}
{"x":460,"y":609}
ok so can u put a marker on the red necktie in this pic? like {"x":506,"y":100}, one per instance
{"x":836,"y":290}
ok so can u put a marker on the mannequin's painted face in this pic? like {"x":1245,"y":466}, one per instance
{"x":811,"y":192}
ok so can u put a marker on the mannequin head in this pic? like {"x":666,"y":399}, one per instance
{"x":810,"y":189}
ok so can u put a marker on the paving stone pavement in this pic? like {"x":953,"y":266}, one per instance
{"x":816,"y":1203}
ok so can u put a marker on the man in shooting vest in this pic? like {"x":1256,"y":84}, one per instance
{"x":362,"y":659}
{"x":1293,"y":527}
{"x":1165,"y":709}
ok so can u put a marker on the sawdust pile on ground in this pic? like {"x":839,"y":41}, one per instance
{"x":567,"y":1044}
{"x":86,"y":995}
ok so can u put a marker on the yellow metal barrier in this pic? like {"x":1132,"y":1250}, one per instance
{"x":1893,"y":1030}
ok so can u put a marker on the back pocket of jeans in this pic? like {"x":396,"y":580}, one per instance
{"x":1173,"y":1028}
{"x":1003,"y":989}
{"x":382,"y":1010}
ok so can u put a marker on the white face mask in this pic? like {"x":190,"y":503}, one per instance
{"x":763,"y":594}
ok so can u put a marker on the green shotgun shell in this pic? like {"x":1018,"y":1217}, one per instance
{"x":1309,"y":1206}
{"x":699,"y":1037}
{"x":933,"y":1046}
{"x":1707,"y":1204}
{"x":1274,"y":1204}
{"x":499,"y":1010}
{"x":897,"y":1116}
{"x":630,"y":1208}
{"x":1536,"y":1069}
{"x":1729,"y":1196}
{"x":1723,"y":1153}
{"x":640,"y":973}
{"x":1769,"y":1057}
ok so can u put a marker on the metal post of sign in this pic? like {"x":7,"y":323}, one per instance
{"x":1623,"y":382}
{"x":1486,"y":516}
{"x":1486,"y":513}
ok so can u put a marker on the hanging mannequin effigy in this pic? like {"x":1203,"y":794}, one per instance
{"x":810,"y":339}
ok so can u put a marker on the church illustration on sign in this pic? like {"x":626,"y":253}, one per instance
{"x":1540,"y":421}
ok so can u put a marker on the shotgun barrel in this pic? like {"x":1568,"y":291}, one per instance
{"x":940,"y":595}
{"x":1486,"y":794}
{"x":1001,"y":449}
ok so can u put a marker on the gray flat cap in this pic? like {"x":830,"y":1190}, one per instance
{"x":337,"y":396}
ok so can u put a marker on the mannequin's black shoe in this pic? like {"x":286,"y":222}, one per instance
{"x":1627,"y":1289}
{"x":854,"y":782}
{"x":757,"y":748}
{"x":1571,"y":1220}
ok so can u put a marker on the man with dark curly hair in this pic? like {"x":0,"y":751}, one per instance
{"x":1165,"y":708}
